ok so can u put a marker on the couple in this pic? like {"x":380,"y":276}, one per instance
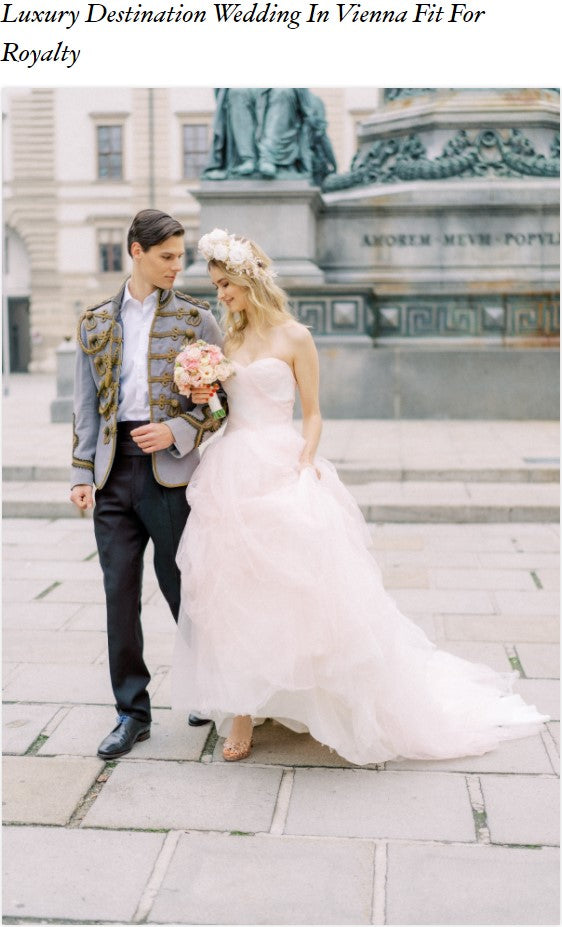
{"x":282,"y":613}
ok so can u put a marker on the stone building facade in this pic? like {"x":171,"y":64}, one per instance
{"x":78,"y":164}
{"x":427,"y":267}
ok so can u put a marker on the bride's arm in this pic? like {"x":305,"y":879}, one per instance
{"x":305,"y":365}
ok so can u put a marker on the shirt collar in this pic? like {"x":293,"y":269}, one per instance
{"x":150,"y":300}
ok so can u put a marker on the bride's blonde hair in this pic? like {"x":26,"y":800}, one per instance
{"x":268,"y":302}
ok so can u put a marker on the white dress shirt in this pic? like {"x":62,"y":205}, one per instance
{"x":136,"y":318}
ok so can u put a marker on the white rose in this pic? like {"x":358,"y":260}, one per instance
{"x":220,"y":252}
{"x":240,"y":253}
{"x":218,"y":235}
{"x":223,"y":370}
{"x":208,"y":242}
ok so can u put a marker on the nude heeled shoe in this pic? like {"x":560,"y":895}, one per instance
{"x":237,"y":750}
{"x":234,"y":750}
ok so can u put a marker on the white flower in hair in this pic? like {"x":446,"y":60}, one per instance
{"x":220,"y":251}
{"x":240,"y":252}
{"x":237,"y":255}
{"x":218,"y":235}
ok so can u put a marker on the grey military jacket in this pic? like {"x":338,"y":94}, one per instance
{"x":178,"y":320}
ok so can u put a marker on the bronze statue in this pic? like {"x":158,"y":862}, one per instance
{"x":274,"y":133}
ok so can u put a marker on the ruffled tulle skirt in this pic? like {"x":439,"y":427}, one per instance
{"x":284,"y":616}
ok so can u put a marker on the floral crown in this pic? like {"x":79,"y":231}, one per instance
{"x":238,"y":256}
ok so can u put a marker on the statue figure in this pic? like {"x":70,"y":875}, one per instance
{"x":269,"y":132}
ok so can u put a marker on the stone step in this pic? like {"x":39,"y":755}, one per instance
{"x":413,"y":501}
{"x":358,"y":475}
{"x":351,"y":474}
{"x":407,"y":501}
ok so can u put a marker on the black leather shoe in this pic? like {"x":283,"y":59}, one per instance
{"x":123,"y":737}
{"x":195,"y":721}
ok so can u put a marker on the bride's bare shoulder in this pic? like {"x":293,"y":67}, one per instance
{"x":296,"y":332}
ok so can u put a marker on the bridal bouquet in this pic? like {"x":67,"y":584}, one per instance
{"x":202,"y":364}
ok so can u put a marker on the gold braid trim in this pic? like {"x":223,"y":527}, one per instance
{"x":208,"y":424}
{"x":193,"y":315}
{"x":191,"y":299}
{"x":165,"y":379}
{"x":169,"y":356}
{"x":163,"y":300}
{"x":97,"y":341}
{"x":173,"y":333}
{"x":77,"y":461}
{"x":164,"y":401}
{"x":83,"y":464}
{"x":109,"y":432}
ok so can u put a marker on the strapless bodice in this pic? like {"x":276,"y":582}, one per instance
{"x":260,"y":393}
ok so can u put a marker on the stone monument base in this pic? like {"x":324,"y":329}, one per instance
{"x":278,"y":214}
{"x":362,"y":379}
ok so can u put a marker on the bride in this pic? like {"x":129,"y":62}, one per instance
{"x":284,"y":614}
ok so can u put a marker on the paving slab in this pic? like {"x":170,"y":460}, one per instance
{"x":490,"y":653}
{"x":365,"y":803}
{"x":501,"y":628}
{"x":522,"y":809}
{"x":447,"y":578}
{"x":396,"y":541}
{"x":23,"y":590}
{"x":60,"y":682}
{"x":9,"y":672}
{"x":454,"y":558}
{"x":47,"y":535}
{"x":554,"y":728}
{"x":81,"y":875}
{"x":518,"y":560}
{"x":159,"y":645}
{"x":40,"y":646}
{"x":549,"y":578}
{"x":85,"y":726}
{"x":156,"y":618}
{"x":443,"y":601}
{"x":471,"y":885}
{"x":275,"y":744}
{"x":526,"y":755}
{"x":523,"y":538}
{"x":27,"y":568}
{"x":160,"y":688}
{"x":63,"y":550}
{"x":45,"y":790}
{"x":37,"y":615}
{"x":285,"y":880}
{"x":90,"y":617}
{"x":71,"y":590}
{"x":540,"y":602}
{"x":22,"y":724}
{"x":540,"y":660}
{"x":544,"y":693}
{"x":183,"y":796}
{"x":403,"y":577}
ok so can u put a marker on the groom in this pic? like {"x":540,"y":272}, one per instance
{"x":136,"y":438}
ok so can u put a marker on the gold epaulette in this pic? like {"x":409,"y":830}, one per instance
{"x":88,"y":314}
{"x":192,"y":299}
{"x":89,"y":309}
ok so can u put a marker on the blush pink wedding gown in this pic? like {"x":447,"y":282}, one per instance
{"x":284,"y":614}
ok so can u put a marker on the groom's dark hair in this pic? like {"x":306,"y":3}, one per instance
{"x":150,"y":227}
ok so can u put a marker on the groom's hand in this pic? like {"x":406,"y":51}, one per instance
{"x":152,"y":437}
{"x":82,"y":495}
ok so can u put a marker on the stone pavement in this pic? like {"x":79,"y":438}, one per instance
{"x":399,"y":471}
{"x":171,"y":834}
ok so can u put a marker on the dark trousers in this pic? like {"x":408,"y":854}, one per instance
{"x":131,"y":509}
